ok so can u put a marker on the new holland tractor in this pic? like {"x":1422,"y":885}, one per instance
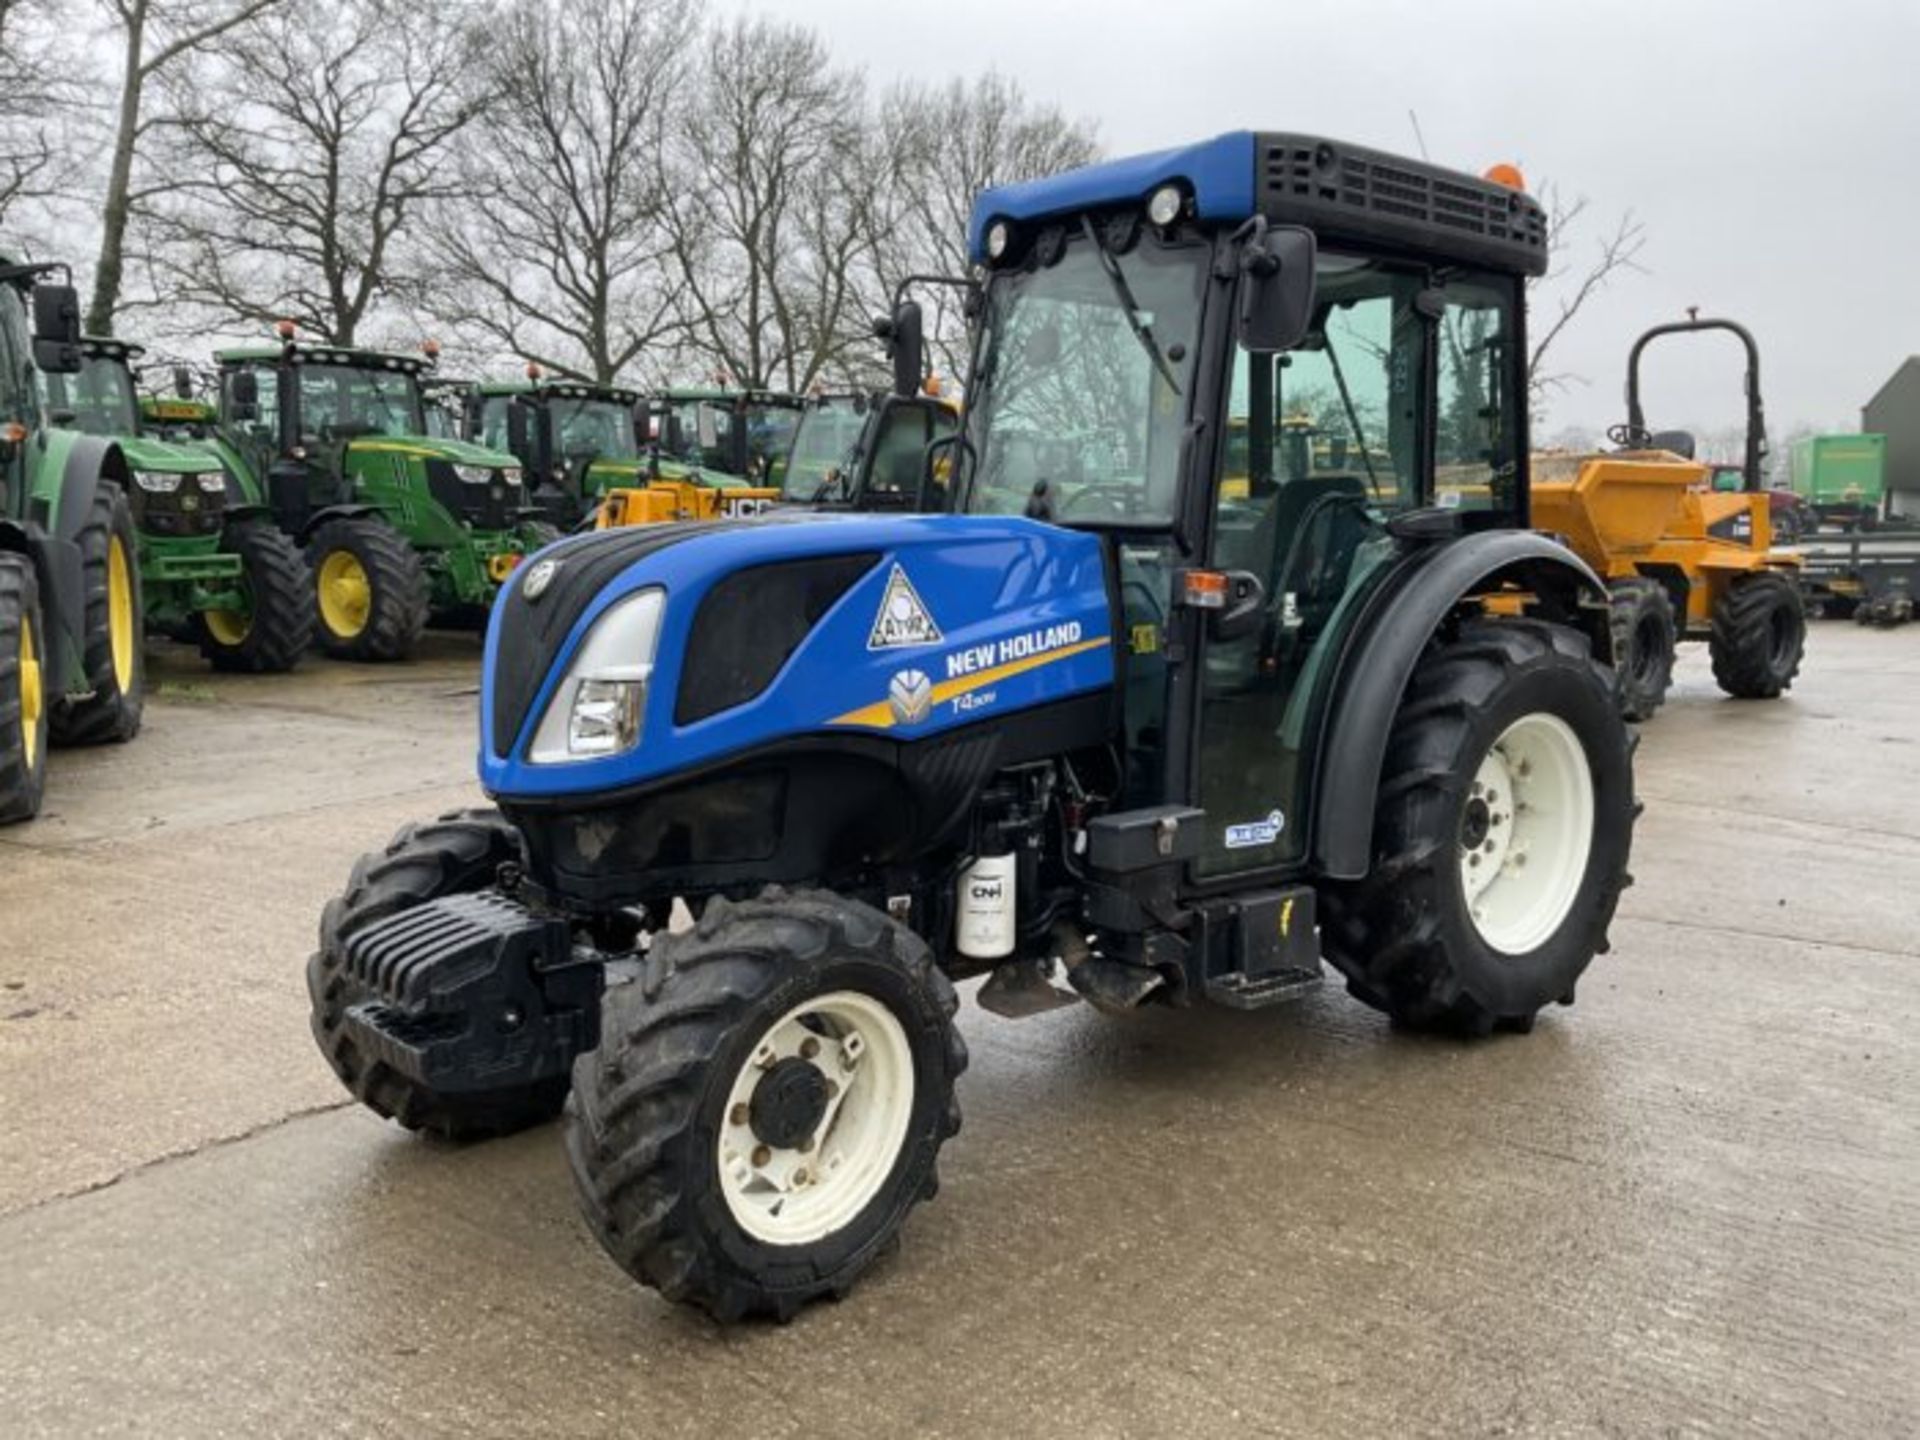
{"x":1108,"y":731}
{"x":398,"y":523}
{"x":215,"y":569}
{"x":1683,"y":557}
{"x":71,"y":669}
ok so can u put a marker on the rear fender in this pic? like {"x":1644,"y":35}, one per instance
{"x":68,"y":471}
{"x":329,"y":513}
{"x":1381,"y":659}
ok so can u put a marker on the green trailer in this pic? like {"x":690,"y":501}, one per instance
{"x":1842,"y":478}
{"x":399,"y":523}
{"x":71,"y":670}
{"x":215,"y":571}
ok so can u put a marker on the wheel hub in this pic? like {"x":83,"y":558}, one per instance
{"x":788,"y":1104}
{"x":1475,"y":821}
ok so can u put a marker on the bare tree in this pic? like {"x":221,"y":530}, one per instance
{"x":1581,"y":273}
{"x":304,"y":154}
{"x":560,"y":260}
{"x":32,"y":100}
{"x":155,"y":36}
{"x":764,"y":156}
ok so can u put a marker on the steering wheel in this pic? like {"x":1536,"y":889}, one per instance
{"x":1119,"y":500}
{"x":1628,"y":437}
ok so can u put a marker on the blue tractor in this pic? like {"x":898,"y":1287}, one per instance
{"x":1169,"y":708}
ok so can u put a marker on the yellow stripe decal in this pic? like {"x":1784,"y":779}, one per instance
{"x":879,"y":715}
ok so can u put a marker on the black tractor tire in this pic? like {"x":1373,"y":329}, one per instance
{"x":1404,"y":935}
{"x":282,"y":615}
{"x":396,"y":608}
{"x":1759,"y":636}
{"x":649,"y":1113}
{"x":1643,"y":639}
{"x":111,"y":712}
{"x":23,"y":740}
{"x":457,"y":854}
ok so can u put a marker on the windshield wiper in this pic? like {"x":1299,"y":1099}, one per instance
{"x":1142,"y":331}
{"x":1353,"y":417}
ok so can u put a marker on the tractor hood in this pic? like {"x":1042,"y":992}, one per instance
{"x":792,"y":627}
{"x":432,"y":447}
{"x":168,"y":457}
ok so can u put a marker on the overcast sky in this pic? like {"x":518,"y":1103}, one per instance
{"x":1772,"y":149}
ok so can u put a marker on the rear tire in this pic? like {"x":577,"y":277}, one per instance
{"x":1407,"y":937}
{"x":751,"y":1185}
{"x":1643,"y":641}
{"x":457,"y":854}
{"x":23,"y":707}
{"x":113,"y":629}
{"x":1759,"y":635}
{"x":370,"y":589}
{"x":278,"y":627}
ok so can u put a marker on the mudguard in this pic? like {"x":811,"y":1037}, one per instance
{"x":336,"y":512}
{"x":1384,"y":652}
{"x":66,"y":477}
{"x":929,"y":624}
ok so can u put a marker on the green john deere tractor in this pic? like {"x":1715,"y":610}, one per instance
{"x":742,"y":434}
{"x":214,"y":568}
{"x":399,"y":523}
{"x":856,"y":450}
{"x":574,"y":440}
{"x":71,"y":671}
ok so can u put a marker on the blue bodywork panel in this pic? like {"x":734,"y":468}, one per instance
{"x":960,"y":619}
{"x":1219,"y":173}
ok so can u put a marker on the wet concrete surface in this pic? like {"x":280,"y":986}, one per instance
{"x":1688,"y":1205}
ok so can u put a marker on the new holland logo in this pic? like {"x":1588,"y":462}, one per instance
{"x":903,"y":619}
{"x":911,"y":696}
{"x":539,"y":575}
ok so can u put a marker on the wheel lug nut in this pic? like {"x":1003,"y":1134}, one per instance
{"x":761,"y":1155}
{"x":833,"y":1088}
{"x":806,"y":1146}
{"x":738,"y":1115}
{"x":809,"y":1048}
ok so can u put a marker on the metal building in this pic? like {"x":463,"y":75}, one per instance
{"x":1894,"y":411}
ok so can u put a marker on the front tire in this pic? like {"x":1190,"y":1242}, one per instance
{"x":1508,"y":758}
{"x":1759,"y":635}
{"x":23,"y":692}
{"x":277,"y":627}
{"x":1643,"y":641}
{"x":457,"y":854}
{"x":370,"y":589}
{"x":767,"y":1103}
{"x":113,"y":625}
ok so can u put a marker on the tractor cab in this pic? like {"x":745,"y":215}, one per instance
{"x":860,"y":450}
{"x":738,"y":436}
{"x":575,"y":440}
{"x":448,"y":400}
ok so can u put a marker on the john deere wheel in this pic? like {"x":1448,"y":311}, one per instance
{"x":371,"y":590}
{"x":457,"y":854}
{"x":1643,"y":638}
{"x":113,"y":626}
{"x":1501,"y":835}
{"x":276,"y":628}
{"x":1759,"y":635}
{"x":766,"y":1104}
{"x":23,"y":692}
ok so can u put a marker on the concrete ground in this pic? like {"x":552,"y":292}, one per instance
{"x":1688,"y":1206}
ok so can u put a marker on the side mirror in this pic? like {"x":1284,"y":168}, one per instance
{"x":516,"y":427}
{"x":56,"y":329}
{"x":183,"y":382}
{"x":1276,"y":287}
{"x":243,"y":396}
{"x":905,"y":335}
{"x":643,"y":424}
{"x":709,"y":426}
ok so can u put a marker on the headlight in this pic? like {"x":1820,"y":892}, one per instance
{"x":600,"y":702}
{"x":212,"y":484}
{"x":999,"y":236}
{"x":511,"y":474}
{"x":161,"y":482}
{"x":475,"y":474}
{"x":1165,"y":204}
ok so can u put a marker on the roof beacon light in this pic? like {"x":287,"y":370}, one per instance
{"x":998,"y":238}
{"x":286,"y":329}
{"x":1507,"y":175}
{"x":533,"y":370}
{"x":430,"y":348}
{"x":1165,"y":204}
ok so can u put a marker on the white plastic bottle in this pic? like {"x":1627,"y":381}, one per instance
{"x":986,"y":908}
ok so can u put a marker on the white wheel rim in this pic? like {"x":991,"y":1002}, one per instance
{"x":800,"y":1193}
{"x":1526,"y":832}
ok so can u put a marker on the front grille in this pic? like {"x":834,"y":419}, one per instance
{"x":492,"y":506}
{"x":1343,"y":188}
{"x":185,"y":512}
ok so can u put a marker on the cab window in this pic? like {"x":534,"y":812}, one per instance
{"x":1477,"y":425}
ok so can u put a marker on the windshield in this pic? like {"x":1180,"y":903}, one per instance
{"x":100,"y":397}
{"x":600,"y":428}
{"x":823,"y":444}
{"x":343,"y":401}
{"x":769,"y":436}
{"x":1080,"y":391}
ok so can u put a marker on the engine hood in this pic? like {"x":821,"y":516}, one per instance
{"x":171,"y":457}
{"x":432,"y":447}
{"x":799,"y":624}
